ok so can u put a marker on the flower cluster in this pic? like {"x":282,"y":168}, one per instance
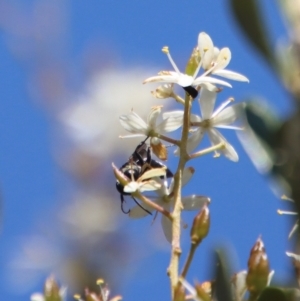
{"x":142,"y":173}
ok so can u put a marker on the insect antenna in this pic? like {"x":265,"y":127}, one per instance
{"x":141,"y":206}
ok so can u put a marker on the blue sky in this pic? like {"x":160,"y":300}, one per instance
{"x":130,"y":33}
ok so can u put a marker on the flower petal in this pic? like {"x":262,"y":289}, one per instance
{"x":206,"y":49}
{"x":154,"y":172}
{"x":216,"y":137}
{"x":231,"y":75}
{"x":239,"y":284}
{"x":194,"y":202}
{"x":172,"y":121}
{"x":228,"y":115}
{"x":207,"y":101}
{"x":138,"y":212}
{"x":187,"y":175}
{"x":152,"y":117}
{"x":167,"y":228}
{"x":132,"y":136}
{"x":131,"y":187}
{"x":216,"y":53}
{"x":259,"y":155}
{"x":149,"y":186}
{"x":133,"y":123}
{"x":208,"y":79}
{"x":195,"y":118}
{"x":223,"y":59}
{"x":170,"y":77}
{"x":193,"y":141}
{"x":185,"y":80}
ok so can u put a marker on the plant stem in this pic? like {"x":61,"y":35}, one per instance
{"x":168,"y":139}
{"x":189,"y":259}
{"x":207,"y":150}
{"x":178,"y":98}
{"x":153,"y":205}
{"x":173,"y":269}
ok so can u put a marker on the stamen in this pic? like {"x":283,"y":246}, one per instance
{"x":230,"y":127}
{"x":77,"y":297}
{"x":286,"y":198}
{"x":282,"y":212}
{"x":216,"y":154}
{"x":99,"y":281}
{"x":294,"y":229}
{"x":222,"y":106}
{"x":165,"y":50}
{"x":208,"y":71}
{"x":198,"y":68}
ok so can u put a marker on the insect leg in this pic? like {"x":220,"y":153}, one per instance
{"x":122,"y":203}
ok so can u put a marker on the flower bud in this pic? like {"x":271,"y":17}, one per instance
{"x":159,"y":149}
{"x":201,"y":292}
{"x":52,"y":289}
{"x":200,"y":226}
{"x":193,"y":62}
{"x":179,"y":292}
{"x":163,"y":91}
{"x":258,"y":269}
{"x":90,"y":296}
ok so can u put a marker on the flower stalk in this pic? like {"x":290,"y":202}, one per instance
{"x":176,"y":223}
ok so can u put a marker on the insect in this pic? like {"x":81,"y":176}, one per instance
{"x":138,"y":163}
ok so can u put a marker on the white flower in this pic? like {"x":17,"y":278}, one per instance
{"x":212,"y":60}
{"x":163,"y":91}
{"x":165,"y":200}
{"x":142,"y":185}
{"x":215,"y":61}
{"x":222,"y":117}
{"x":185,"y":80}
{"x":134,"y":124}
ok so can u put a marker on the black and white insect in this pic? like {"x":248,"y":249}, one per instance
{"x":138,"y":163}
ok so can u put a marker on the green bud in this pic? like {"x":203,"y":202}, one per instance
{"x":201,"y":293}
{"x":52,"y":290}
{"x":179,"y":292}
{"x":193,"y":62}
{"x":200,"y":226}
{"x":90,"y":296}
{"x":258,"y":269}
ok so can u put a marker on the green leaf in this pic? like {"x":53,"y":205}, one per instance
{"x":222,"y":276}
{"x":263,"y":120}
{"x":275,"y":294}
{"x":248,"y":16}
